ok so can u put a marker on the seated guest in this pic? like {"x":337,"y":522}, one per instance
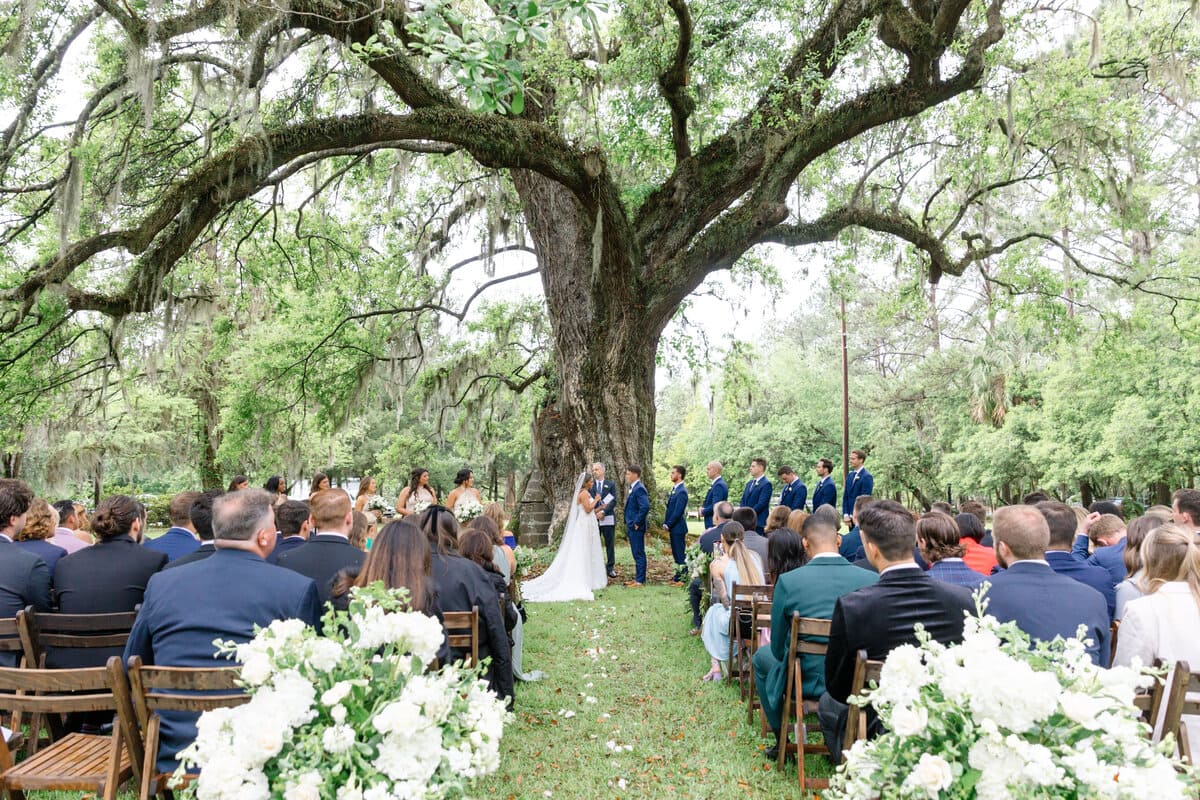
{"x":784,"y":554}
{"x":38,"y":534}
{"x":238,"y":483}
{"x":881,"y":616}
{"x":1103,"y":507}
{"x":795,"y":520}
{"x":1042,"y":602}
{"x":976,"y":556}
{"x":24,"y":578}
{"x":68,"y":521}
{"x":292,"y":520}
{"x":1165,"y":623}
{"x":475,"y":545}
{"x":495,"y":512}
{"x":722,"y":513}
{"x":980,"y":512}
{"x":502,"y":555}
{"x":939,"y":507}
{"x":754,"y":541}
{"x":777,"y":519}
{"x":1035,"y":497}
{"x":736,"y":564}
{"x":223,"y":597}
{"x":1062,"y":524}
{"x":1134,"y":586}
{"x":200,"y":515}
{"x":180,"y":539}
{"x":328,"y":548}
{"x":1185,"y":508}
{"x":812,"y":589}
{"x":1109,"y":541}
{"x":463,"y":585}
{"x":938,"y":541}
{"x":359,"y":526}
{"x":852,"y":541}
{"x":83,"y":525}
{"x":112,"y":574}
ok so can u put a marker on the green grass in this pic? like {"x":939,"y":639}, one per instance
{"x":677,"y":736}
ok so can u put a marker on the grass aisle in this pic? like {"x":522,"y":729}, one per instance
{"x":623,"y":713}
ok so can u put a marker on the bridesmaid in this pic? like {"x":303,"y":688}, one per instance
{"x":418,"y":490}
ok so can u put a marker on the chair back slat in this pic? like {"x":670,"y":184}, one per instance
{"x":51,"y":681}
{"x":160,"y":701}
{"x":85,"y":623}
{"x":810,"y":626}
{"x":192,"y":679}
{"x":10,"y":635}
{"x":462,"y":631}
{"x":39,"y":632}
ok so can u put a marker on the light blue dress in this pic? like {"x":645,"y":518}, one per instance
{"x":715,"y":631}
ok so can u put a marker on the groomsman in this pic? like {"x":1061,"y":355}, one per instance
{"x":718,"y":492}
{"x":602,"y":488}
{"x":794,"y":491}
{"x":824,"y":493}
{"x":637,"y":506}
{"x":859,"y":481}
{"x":675,"y":522}
{"x":757,"y":494}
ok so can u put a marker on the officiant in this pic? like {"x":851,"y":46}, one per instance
{"x":606,"y":491}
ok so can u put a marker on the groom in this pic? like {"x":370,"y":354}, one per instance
{"x":637,"y":507}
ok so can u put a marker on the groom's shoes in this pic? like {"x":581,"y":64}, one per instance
{"x":633,"y":584}
{"x":612,"y":573}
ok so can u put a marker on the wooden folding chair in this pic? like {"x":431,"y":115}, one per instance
{"x":1180,"y":683}
{"x":10,"y":642}
{"x":44,"y":636}
{"x":76,"y":762}
{"x":865,"y":671}
{"x":760,"y":616}
{"x":741,"y":610}
{"x":793,"y":700}
{"x":462,"y":631}
{"x":153,"y":689}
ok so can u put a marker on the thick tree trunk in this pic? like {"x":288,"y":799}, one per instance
{"x":12,"y":465}
{"x":602,"y":404}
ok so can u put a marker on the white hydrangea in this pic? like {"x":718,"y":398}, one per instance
{"x":306,"y":787}
{"x":337,"y":739}
{"x":336,"y":693}
{"x":908,"y":720}
{"x":322,"y":655}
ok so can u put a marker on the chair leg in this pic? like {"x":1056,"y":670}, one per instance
{"x":112,"y":774}
{"x":784,"y":723}
{"x":149,"y":783}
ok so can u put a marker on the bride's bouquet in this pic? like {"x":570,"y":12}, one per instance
{"x":467,"y":508}
{"x":353,"y":715}
{"x":993,"y":718}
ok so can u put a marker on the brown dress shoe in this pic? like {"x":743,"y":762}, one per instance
{"x":633,"y":584}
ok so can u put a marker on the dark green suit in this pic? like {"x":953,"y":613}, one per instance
{"x":812,"y":590}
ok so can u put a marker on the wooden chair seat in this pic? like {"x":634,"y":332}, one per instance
{"x":462,"y":632}
{"x":793,"y":701}
{"x":77,"y":762}
{"x":761,"y":616}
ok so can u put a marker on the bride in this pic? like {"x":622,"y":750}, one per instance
{"x":578,"y":567}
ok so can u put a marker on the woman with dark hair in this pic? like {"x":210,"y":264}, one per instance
{"x":238,"y":483}
{"x":939,"y":541}
{"x":785,"y":552}
{"x":400,"y":557}
{"x":418,"y":492}
{"x":505,"y":563}
{"x":320,"y":483}
{"x":463,"y":585}
{"x":464,"y":484}
{"x":976,"y":556}
{"x":277,"y":486}
{"x":778,"y":518}
{"x":368,"y":495}
{"x":476,"y":545}
{"x":502,"y":554}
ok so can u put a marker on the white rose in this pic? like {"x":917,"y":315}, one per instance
{"x":909,"y":720}
{"x":338,"y":713}
{"x":256,"y":668}
{"x":400,"y":716}
{"x":306,"y":787}
{"x":337,"y":739}
{"x":377,"y":792}
{"x":1082,"y":709}
{"x":323,"y":655}
{"x":336,"y":693}
{"x":351,"y":791}
{"x":932,"y":775}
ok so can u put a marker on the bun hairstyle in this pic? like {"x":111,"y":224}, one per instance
{"x":462,"y":477}
{"x":115,"y":515}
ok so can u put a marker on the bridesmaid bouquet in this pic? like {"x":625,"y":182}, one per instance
{"x":467,"y":508}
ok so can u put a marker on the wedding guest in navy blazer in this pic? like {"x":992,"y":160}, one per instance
{"x":851,"y":547}
{"x":24,"y":578}
{"x":1108,"y":531}
{"x":1028,"y":592}
{"x":757,"y":494}
{"x":201,"y":515}
{"x":675,"y":522}
{"x":880,"y":617}
{"x":825,"y":492}
{"x":858,"y":482}
{"x":1061,"y":522}
{"x":718,"y":492}
{"x":222,"y":597}
{"x":293,"y":521}
{"x":795,"y":493}
{"x":328,"y":549}
{"x":180,"y":539}
{"x":637,"y":507}
{"x":938,"y":538}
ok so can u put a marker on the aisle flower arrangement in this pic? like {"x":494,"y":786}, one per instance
{"x":467,"y":508}
{"x":526,"y":557}
{"x":354,"y":715}
{"x":993,"y":718}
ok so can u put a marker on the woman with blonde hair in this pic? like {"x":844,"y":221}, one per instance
{"x":1131,"y":588}
{"x":736,"y":564}
{"x":777,"y":519}
{"x":495,"y":512}
{"x":1165,"y":623}
{"x":795,"y":520}
{"x":39,"y":529}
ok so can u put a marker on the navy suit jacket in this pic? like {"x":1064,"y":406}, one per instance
{"x":637,"y":506}
{"x":718,"y":492}
{"x":602,"y":489}
{"x":222,"y":597}
{"x":176,"y":543}
{"x":955,"y":572}
{"x":24,"y":581}
{"x":1098,"y":578}
{"x":794,"y":495}
{"x":321,"y":558}
{"x":284,"y":544}
{"x":709,"y":539}
{"x":851,"y":545}
{"x":676,"y":517}
{"x":825,"y":494}
{"x":857,"y":485}
{"x":757,"y":495}
{"x":1046,"y":604}
{"x":1111,"y":557}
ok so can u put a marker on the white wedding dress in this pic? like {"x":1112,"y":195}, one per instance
{"x":578,"y":567}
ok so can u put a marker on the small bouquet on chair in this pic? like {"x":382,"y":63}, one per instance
{"x":353,"y":715}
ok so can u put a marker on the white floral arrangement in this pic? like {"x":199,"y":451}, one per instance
{"x":526,"y":557}
{"x":420,"y":506}
{"x":993,"y":718}
{"x":467,"y":508}
{"x":354,"y":715}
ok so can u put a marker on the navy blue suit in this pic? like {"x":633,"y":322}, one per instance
{"x":637,"y":507}
{"x":176,"y":543}
{"x":956,"y":572}
{"x":825,"y":493}
{"x":794,"y":495}
{"x":222,"y":597}
{"x":675,"y":522}
{"x":1065,"y":563}
{"x":284,"y":544}
{"x":1046,"y":604}
{"x":757,"y":495}
{"x":607,"y":524}
{"x":857,"y":484}
{"x":24,"y":581}
{"x":1110,"y":557}
{"x":718,"y":492}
